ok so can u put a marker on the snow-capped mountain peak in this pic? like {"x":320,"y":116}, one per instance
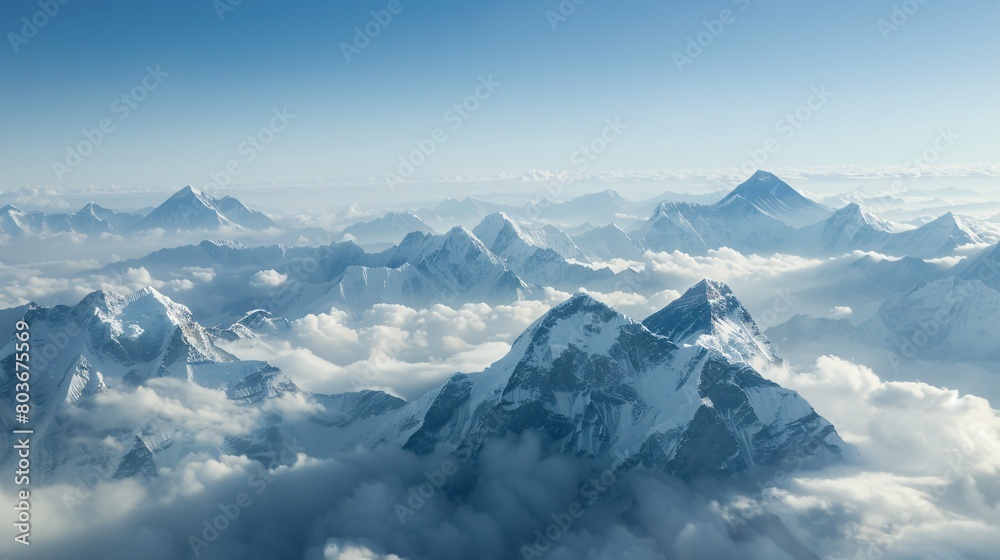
{"x":849,"y":228}
{"x":983,"y":266}
{"x":13,"y":221}
{"x":859,"y":216}
{"x":146,"y":323}
{"x":710,"y":315}
{"x":452,"y":267}
{"x":582,"y":322}
{"x":956,"y":226}
{"x":607,"y":242}
{"x":512,"y":240}
{"x":499,"y":231}
{"x":538,"y":255}
{"x":190,"y":208}
{"x":936,"y":238}
{"x":254,"y":324}
{"x":600,"y":384}
{"x":773,"y":197}
{"x":390,"y":228}
{"x":456,"y":241}
{"x":762,"y":185}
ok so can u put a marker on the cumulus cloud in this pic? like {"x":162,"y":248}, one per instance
{"x":637,"y":306}
{"x":26,"y":283}
{"x":393,"y":347}
{"x":129,"y":281}
{"x":899,"y":426}
{"x":269,"y":278}
{"x":841,"y":311}
{"x":199,"y":274}
{"x":39,"y":196}
{"x":339,"y":551}
{"x":924,"y":484}
{"x":929,"y":468}
{"x":725,"y":264}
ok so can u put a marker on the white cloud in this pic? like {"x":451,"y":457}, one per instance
{"x":129,"y":281}
{"x":924,"y":486}
{"x":199,"y":274}
{"x":269,"y":278}
{"x":393,"y":347}
{"x":635,"y":305}
{"x":725,"y":264}
{"x":841,"y":311}
{"x":928,"y":469}
{"x":339,"y":551}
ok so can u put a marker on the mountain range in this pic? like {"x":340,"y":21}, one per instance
{"x":539,"y":256}
{"x":759,"y":215}
{"x":114,"y":340}
{"x":854,"y":227}
{"x":91,"y":220}
{"x":949,"y":319}
{"x":192,"y":209}
{"x":390,"y":228}
{"x":762,"y":215}
{"x":186,"y":210}
{"x":594,"y":382}
{"x":765,"y":215}
{"x":454,"y":267}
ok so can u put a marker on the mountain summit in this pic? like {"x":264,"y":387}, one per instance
{"x":190,"y":208}
{"x":849,"y":228}
{"x":937,"y":238}
{"x":757,"y":216}
{"x":710,"y":315}
{"x":538,"y":255}
{"x":599,"y":384}
{"x":773,"y":197}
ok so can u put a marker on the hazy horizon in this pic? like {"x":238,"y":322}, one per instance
{"x":691,"y":87}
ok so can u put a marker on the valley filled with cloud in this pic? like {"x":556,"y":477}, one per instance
{"x":556,"y":280}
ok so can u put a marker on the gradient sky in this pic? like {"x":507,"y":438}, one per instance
{"x":940,"y":69}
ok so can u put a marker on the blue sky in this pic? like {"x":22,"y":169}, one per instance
{"x":892,"y":89}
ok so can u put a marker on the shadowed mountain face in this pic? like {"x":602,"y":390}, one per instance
{"x":601,"y":385}
{"x":710,"y":315}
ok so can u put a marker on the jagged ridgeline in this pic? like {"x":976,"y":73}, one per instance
{"x":677,"y":394}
